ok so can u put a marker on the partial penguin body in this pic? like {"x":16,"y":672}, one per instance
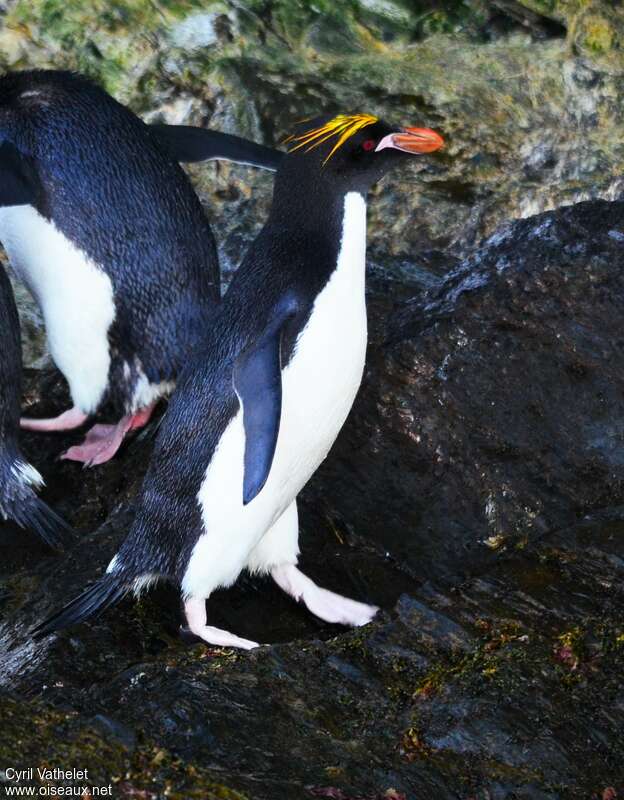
{"x":258,"y":410}
{"x":204,"y":433}
{"x":19,"y":480}
{"x":109,"y":236}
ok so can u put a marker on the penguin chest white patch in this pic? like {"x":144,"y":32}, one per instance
{"x":318,"y":388}
{"x":320,"y":382}
{"x":75,"y":296}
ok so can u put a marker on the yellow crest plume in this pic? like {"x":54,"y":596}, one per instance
{"x":343,"y":126}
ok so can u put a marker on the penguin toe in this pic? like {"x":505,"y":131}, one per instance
{"x":323,"y":603}
{"x":337,"y":609}
{"x":221,"y":638}
{"x":99,"y":446}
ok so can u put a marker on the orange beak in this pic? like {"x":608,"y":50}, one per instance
{"x":413,"y":140}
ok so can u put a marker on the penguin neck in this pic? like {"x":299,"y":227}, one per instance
{"x":352,"y":248}
{"x":330,"y":236}
{"x":315,"y":207}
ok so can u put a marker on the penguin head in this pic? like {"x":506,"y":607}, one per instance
{"x":354,"y":151}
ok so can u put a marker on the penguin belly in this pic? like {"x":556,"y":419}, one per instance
{"x":75,"y":297}
{"x":318,"y":389}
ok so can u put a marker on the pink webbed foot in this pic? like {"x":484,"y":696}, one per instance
{"x":103,"y":441}
{"x":67,"y":421}
{"x":327,"y":605}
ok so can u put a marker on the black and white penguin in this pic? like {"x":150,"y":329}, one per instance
{"x":258,"y":410}
{"x":19,"y":481}
{"x":106,"y":231}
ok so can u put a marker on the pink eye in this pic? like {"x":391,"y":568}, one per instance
{"x":368,"y":145}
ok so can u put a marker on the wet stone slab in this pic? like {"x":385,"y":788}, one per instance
{"x":475,"y":494}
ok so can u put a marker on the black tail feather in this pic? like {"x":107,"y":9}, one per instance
{"x":19,"y":482}
{"x":188,"y":144}
{"x":103,"y":594}
{"x":32,"y":513}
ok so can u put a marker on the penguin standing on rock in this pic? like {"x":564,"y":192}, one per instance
{"x":259,"y":408}
{"x":18,"y":479}
{"x":106,"y":231}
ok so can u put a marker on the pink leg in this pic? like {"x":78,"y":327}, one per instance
{"x":142,"y":417}
{"x":103,"y":441}
{"x":67,"y":421}
{"x":195,"y":612}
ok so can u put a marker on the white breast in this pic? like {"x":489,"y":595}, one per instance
{"x":318,"y":388}
{"x":75,"y":296}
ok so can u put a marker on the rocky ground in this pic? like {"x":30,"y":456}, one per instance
{"x":477,"y":491}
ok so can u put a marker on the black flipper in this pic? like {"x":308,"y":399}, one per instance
{"x":19,"y":182}
{"x":258,"y":384}
{"x":188,"y":144}
{"x":103,"y":594}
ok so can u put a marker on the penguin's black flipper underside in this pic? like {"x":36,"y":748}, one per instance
{"x":258,"y":384}
{"x":188,"y":144}
{"x":19,"y":183}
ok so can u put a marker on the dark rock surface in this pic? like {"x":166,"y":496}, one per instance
{"x":476,"y":494}
{"x":492,"y":408}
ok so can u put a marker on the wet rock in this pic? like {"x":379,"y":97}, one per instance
{"x":111,"y":728}
{"x":476,"y":494}
{"x":437,"y":628}
{"x":491,"y":407}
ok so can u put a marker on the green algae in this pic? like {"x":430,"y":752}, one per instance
{"x":496,"y":101}
{"x":38,"y":734}
{"x":106,"y":40}
{"x":493,"y":660}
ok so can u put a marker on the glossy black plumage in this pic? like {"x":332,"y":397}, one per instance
{"x":19,"y":184}
{"x":18,"y":499}
{"x":112,"y":187}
